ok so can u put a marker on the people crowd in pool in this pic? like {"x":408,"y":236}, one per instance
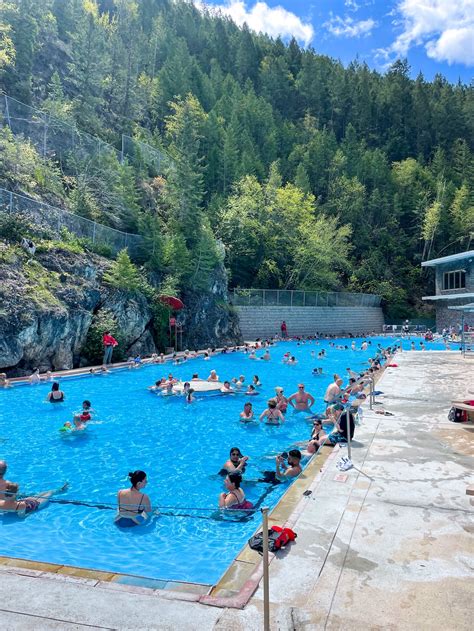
{"x":335,"y":426}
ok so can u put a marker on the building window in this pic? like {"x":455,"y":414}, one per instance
{"x":454,"y":280}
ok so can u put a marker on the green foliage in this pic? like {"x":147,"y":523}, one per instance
{"x":93,"y":349}
{"x":123,"y":274}
{"x":310,"y":173}
{"x":41,"y":284}
{"x":14,"y":226}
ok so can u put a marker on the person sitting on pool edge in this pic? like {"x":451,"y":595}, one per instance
{"x":235,"y":498}
{"x":236,"y":463}
{"x":340,"y":434}
{"x":133,"y":504}
{"x":26,"y":505}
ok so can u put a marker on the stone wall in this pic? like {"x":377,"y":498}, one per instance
{"x":265,"y":321}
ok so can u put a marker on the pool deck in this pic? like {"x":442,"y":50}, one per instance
{"x":393,"y":550}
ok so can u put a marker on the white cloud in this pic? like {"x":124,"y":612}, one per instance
{"x":351,"y":5}
{"x":274,"y":21}
{"x":444,"y":27}
{"x":348,"y":27}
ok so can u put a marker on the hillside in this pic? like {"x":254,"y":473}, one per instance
{"x":312,"y":175}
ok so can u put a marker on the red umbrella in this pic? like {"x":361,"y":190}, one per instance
{"x":171,"y":301}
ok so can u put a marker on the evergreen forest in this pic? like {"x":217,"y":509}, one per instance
{"x":293,"y":170}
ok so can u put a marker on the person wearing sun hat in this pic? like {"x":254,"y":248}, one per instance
{"x":282,"y":401}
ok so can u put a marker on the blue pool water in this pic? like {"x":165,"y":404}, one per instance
{"x":180,"y":447}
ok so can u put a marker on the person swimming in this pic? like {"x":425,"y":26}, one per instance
{"x":133,"y":505}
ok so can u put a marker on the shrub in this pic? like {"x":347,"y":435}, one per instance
{"x":93,"y":349}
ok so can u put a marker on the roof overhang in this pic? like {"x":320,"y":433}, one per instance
{"x":449,"y":259}
{"x":449,"y":297}
{"x":469,"y":308}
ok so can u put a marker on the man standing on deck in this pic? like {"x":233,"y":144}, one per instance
{"x":109,"y":343}
{"x":284,"y":330}
{"x":301,"y":401}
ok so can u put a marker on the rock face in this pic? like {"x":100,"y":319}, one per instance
{"x":48,"y":304}
{"x":208,"y":319}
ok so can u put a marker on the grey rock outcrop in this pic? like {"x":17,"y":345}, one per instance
{"x":208,"y":319}
{"x":47,"y":307}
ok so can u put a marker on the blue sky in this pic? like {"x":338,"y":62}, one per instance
{"x":437,"y":36}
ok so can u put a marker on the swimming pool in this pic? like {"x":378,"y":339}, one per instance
{"x":180,"y":447}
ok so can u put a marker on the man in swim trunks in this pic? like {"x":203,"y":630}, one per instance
{"x":301,"y":401}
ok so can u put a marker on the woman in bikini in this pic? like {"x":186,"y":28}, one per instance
{"x":282,"y":401}
{"x":235,"y":498}
{"x":133,"y":504}
{"x":28,"y":504}
{"x":272,"y":415}
{"x":56,"y":395}
{"x":318,"y":437}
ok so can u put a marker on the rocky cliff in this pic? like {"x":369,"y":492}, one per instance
{"x":208,"y":319}
{"x":49,"y":303}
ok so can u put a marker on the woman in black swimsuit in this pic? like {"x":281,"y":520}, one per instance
{"x":133,"y":504}
{"x":56,"y":395}
{"x":318,"y":438}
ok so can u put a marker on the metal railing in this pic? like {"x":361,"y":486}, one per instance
{"x":53,"y":218}
{"x":301,"y":298}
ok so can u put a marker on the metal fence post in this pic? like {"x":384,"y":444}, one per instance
{"x":266,"y":581}
{"x":45,"y":136}
{"x":7,"y":111}
{"x":348,"y":430}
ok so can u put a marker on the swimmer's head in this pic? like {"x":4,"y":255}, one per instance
{"x":247,"y":405}
{"x":278,"y":389}
{"x":136,"y":478}
{"x":272,"y":404}
{"x":235,"y":479}
{"x":55,"y":386}
{"x":3,"y":468}
{"x":86,"y":404}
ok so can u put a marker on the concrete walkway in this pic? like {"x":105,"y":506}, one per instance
{"x":390,"y":551}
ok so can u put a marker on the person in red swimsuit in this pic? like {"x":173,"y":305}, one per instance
{"x":284,"y":330}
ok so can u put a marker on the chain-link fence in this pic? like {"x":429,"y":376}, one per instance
{"x":54,"y":219}
{"x":57,"y":139}
{"x":145,"y":157}
{"x":300,"y":298}
{"x":53,"y":137}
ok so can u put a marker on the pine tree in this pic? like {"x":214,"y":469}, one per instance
{"x":123,"y":274}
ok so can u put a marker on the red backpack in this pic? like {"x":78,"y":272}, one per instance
{"x":278,"y":537}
